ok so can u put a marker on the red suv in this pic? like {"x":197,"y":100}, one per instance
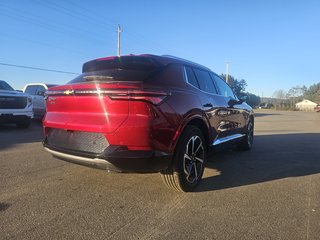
{"x":145,"y":113}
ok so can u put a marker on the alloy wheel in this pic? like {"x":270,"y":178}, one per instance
{"x":193,"y":159}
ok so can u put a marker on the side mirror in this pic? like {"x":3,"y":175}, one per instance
{"x":233,"y":102}
{"x":243,"y":98}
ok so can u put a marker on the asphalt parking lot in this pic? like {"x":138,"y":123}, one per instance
{"x":271,"y":192}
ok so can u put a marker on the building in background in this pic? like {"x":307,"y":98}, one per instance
{"x":306,"y":105}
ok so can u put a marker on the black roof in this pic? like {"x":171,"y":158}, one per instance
{"x":148,"y":58}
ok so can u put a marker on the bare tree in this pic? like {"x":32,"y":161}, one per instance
{"x":280,"y":97}
{"x":295,"y":94}
{"x":280,"y":94}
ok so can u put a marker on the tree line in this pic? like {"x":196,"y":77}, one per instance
{"x":281,"y":99}
{"x":239,"y":88}
{"x":297,"y":94}
{"x":300,"y":92}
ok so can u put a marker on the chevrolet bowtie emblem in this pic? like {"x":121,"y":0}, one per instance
{"x":68,"y":92}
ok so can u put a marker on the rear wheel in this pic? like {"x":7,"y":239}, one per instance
{"x":188,"y":164}
{"x":247,"y":141}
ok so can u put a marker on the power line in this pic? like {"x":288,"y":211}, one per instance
{"x":49,"y":24}
{"x":36,"y":68}
{"x":77,"y":12}
{"x":70,"y":13}
{"x":43,"y":43}
{"x":84,"y":14}
{"x":81,"y":14}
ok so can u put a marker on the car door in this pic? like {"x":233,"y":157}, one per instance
{"x":236,"y":114}
{"x":41,"y":103}
{"x":31,"y":90}
{"x":37,"y":100}
{"x":213,"y":104}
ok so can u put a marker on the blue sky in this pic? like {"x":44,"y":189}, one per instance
{"x":271,"y":44}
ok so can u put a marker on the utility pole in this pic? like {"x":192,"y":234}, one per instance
{"x":119,"y":31}
{"x":227,"y":73}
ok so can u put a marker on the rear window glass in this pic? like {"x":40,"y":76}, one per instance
{"x":31,"y":89}
{"x":127,"y":68}
{"x":5,"y":86}
{"x":125,"y":62}
{"x":114,"y":75}
{"x":41,"y":89}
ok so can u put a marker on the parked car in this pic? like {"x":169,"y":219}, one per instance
{"x":37,"y":91}
{"x":15,"y":107}
{"x":145,"y":113}
{"x":265,"y":105}
{"x":317,"y":108}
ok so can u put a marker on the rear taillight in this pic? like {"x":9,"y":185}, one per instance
{"x":152,"y":96}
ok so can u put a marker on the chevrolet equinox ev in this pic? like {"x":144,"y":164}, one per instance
{"x":145,"y":113}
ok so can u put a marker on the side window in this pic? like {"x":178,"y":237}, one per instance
{"x":191,"y":78}
{"x":205,"y":81}
{"x":224,"y":88}
{"x":41,"y":89}
{"x":32,"y":89}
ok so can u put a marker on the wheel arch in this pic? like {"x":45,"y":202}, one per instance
{"x":175,"y":176}
{"x":198,"y":121}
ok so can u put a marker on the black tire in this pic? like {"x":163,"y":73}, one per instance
{"x":188,"y":161}
{"x":247,"y":142}
{"x":24,"y":123}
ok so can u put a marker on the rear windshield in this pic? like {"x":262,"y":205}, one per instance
{"x":127,"y":68}
{"x":5,"y":86}
{"x":114,"y":75}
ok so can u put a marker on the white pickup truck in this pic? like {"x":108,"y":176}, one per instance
{"x":37,"y":91}
{"x":15,"y":107}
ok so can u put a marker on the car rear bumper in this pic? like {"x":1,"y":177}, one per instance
{"x":116,"y":159}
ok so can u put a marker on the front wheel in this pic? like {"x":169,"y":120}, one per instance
{"x":247,"y":141}
{"x":188,"y":163}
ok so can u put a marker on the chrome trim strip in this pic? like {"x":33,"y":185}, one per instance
{"x":116,"y":92}
{"x":228,"y":138}
{"x":78,"y":159}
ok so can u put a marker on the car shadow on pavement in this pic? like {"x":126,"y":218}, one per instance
{"x":272,"y":157}
{"x":10,"y":135}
